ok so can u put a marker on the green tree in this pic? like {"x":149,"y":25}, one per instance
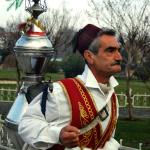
{"x":72,"y":65}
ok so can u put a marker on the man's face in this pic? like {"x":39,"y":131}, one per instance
{"x":107,"y":60}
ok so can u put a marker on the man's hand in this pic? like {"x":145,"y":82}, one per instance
{"x":69,"y":136}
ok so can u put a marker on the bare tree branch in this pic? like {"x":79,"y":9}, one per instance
{"x":131,"y":20}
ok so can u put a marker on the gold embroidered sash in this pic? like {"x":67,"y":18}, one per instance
{"x":84,"y":111}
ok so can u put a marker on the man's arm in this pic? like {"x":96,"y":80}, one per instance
{"x":35,"y":130}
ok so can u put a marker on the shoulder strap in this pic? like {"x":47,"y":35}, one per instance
{"x":44,"y":98}
{"x":34,"y":90}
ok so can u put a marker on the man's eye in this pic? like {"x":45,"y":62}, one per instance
{"x":110,"y":50}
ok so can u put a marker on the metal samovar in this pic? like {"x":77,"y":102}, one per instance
{"x":33,"y":51}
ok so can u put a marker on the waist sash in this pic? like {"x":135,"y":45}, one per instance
{"x":83,"y":112}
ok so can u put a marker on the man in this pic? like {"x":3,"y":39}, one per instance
{"x":76,"y":102}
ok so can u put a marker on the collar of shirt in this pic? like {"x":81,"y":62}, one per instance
{"x":90,"y":81}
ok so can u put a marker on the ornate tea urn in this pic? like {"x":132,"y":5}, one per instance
{"x":33,"y":51}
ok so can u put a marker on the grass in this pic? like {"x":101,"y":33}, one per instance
{"x":8,"y":74}
{"x":136,"y":86}
{"x":12,"y":75}
{"x":134,"y":132}
{"x":54,"y":76}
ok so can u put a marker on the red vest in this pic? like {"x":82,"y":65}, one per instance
{"x":83,"y":112}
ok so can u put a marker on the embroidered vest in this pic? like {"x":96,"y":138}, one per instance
{"x":83,"y":112}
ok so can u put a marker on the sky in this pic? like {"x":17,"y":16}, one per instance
{"x":76,"y":6}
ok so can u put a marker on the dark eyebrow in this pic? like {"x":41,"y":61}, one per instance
{"x":111,"y":48}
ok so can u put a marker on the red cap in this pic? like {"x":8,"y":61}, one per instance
{"x":84,"y":38}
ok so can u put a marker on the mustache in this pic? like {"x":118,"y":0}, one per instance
{"x":116,"y":63}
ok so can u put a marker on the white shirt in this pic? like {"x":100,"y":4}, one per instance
{"x":42,"y":132}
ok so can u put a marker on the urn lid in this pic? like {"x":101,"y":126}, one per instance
{"x":33,"y":39}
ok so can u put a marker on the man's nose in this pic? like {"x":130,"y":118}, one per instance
{"x":118,"y":56}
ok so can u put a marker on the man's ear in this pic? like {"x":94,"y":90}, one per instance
{"x":88,"y":56}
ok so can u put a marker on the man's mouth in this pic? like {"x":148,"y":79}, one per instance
{"x":116,"y":63}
